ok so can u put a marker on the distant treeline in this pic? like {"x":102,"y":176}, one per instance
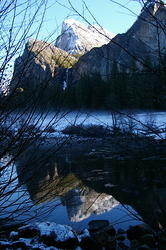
{"x":134,"y":90}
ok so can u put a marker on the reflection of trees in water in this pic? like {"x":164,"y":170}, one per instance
{"x":138,"y":183}
{"x":44,"y":179}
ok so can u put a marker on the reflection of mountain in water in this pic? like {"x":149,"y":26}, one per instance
{"x":82,"y":203}
{"x":53,"y":178}
{"x":140,"y":184}
{"x":95,"y":185}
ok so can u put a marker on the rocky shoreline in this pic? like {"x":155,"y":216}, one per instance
{"x":100,"y":235}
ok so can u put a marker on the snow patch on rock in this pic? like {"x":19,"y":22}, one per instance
{"x":61,"y":232}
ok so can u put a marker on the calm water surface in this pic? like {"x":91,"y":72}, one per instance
{"x":69,"y":187}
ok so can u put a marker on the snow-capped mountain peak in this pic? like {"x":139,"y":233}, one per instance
{"x":78,"y":38}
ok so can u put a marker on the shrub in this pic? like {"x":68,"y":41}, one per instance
{"x":50,"y":129}
{"x":87,"y":130}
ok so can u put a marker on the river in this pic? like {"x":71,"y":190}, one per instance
{"x":70,"y":187}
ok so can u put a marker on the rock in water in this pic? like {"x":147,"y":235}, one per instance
{"x":96,"y":225}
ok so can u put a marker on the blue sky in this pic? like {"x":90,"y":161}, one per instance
{"x":108,"y":14}
{"x":115,"y":16}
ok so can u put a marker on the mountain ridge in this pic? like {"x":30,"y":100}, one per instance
{"x":145,"y":38}
{"x":78,"y":38}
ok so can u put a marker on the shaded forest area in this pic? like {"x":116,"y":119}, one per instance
{"x":144,"y":89}
{"x":134,"y":90}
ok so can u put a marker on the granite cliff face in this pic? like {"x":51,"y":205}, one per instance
{"x":40,"y":64}
{"x":145,"y":39}
{"x":78,"y":38}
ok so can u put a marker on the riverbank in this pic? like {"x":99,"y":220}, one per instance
{"x":123,"y":146}
{"x":100,"y":235}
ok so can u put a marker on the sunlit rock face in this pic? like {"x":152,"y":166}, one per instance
{"x":78,"y":38}
{"x":39,"y":64}
{"x":45,"y":63}
{"x":145,"y":39}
